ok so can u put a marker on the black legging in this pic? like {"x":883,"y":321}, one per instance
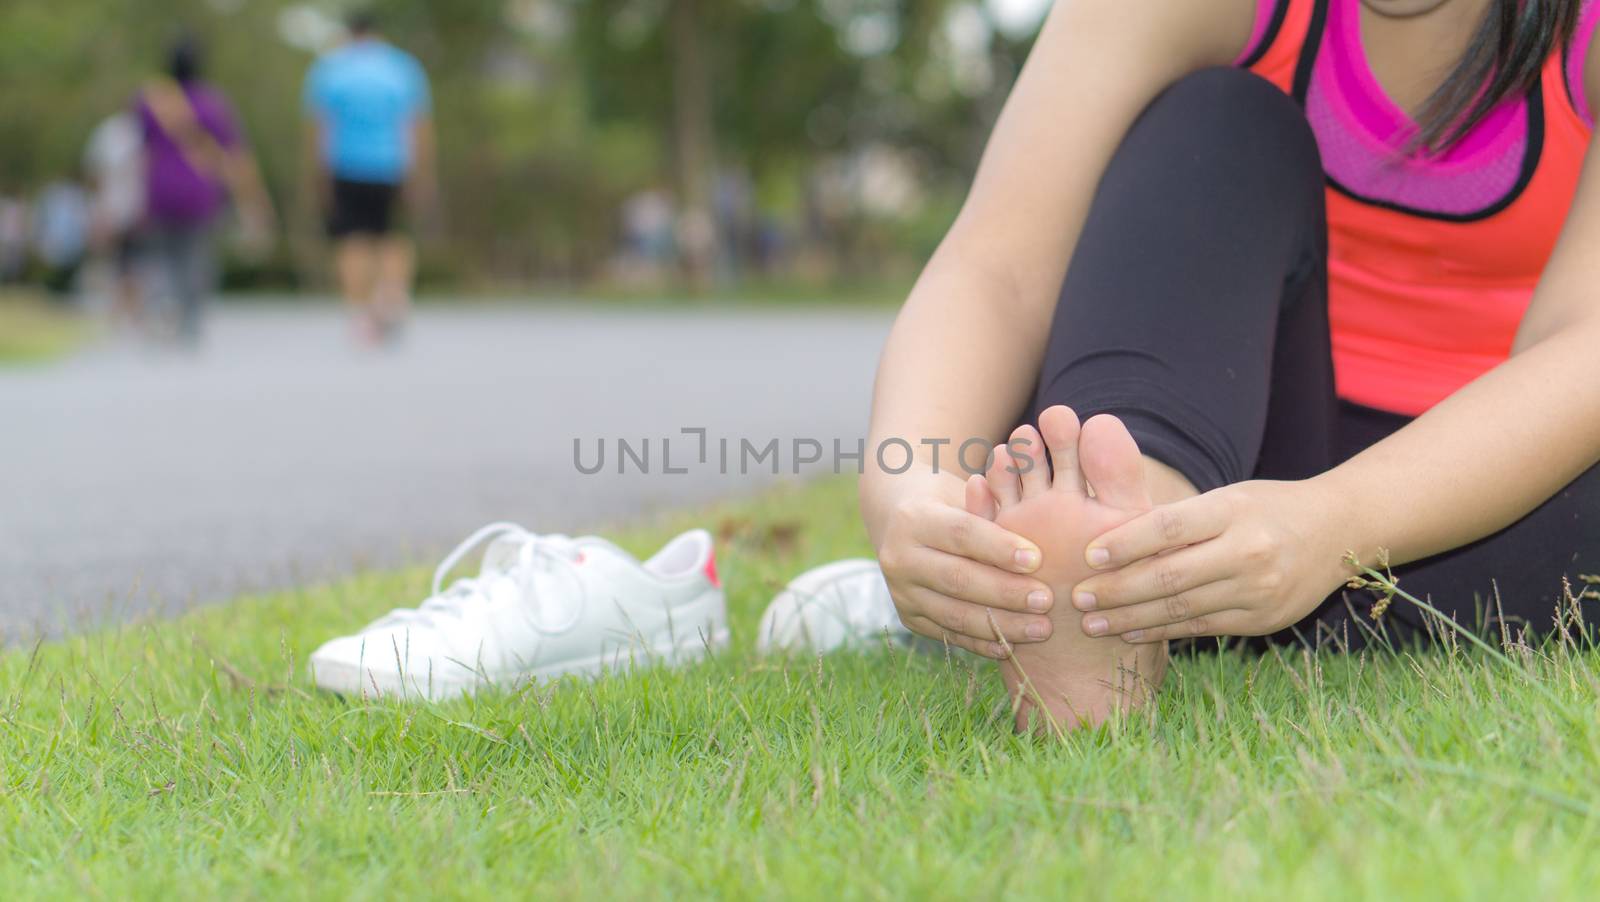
{"x":1195,"y":309}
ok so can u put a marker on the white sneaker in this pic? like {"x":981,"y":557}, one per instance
{"x":541,"y":607}
{"x":845,"y":604}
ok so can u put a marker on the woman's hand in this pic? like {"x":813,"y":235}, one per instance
{"x":1243,"y":560}
{"x":957,"y":577}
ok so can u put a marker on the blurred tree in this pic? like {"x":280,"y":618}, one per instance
{"x":552,"y":112}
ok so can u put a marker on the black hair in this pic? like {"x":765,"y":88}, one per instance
{"x":184,"y":58}
{"x":361,"y":22}
{"x":1504,"y":60}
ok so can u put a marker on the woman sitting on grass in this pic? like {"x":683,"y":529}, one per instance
{"x":1343,"y":296}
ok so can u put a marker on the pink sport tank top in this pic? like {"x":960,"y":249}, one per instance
{"x":1432,"y":260}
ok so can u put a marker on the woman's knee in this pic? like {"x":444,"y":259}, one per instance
{"x":1225,"y":123}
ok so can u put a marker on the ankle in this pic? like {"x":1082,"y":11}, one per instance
{"x":1166,"y":484}
{"x":1087,"y":691}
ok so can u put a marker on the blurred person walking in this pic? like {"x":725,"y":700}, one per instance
{"x":370,"y":137}
{"x":13,"y":238}
{"x":195,"y":160}
{"x":61,"y":233}
{"x":114,"y":161}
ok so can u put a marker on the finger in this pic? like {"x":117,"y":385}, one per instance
{"x":1222,"y":623}
{"x":1027,"y":453}
{"x":1059,"y":427}
{"x":954,"y":531}
{"x":1002,"y":476}
{"x":1162,"y":529}
{"x":976,"y":622}
{"x":1153,"y":578}
{"x":981,"y":648}
{"x":979,"y":500}
{"x":977,"y":584}
{"x":1112,"y":464}
{"x":1206,"y":601}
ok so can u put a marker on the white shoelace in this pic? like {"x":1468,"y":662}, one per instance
{"x":536,"y":555}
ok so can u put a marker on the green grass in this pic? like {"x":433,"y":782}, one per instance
{"x":32,"y":330}
{"x":190,"y":758}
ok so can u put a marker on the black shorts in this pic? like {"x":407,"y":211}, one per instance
{"x":362,"y":208}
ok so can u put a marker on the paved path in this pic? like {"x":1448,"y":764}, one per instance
{"x":133,"y":481}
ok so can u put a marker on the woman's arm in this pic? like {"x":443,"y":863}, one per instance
{"x":1505,"y":443}
{"x":967,"y":346}
{"x":243,"y":175}
{"x":1263,"y":554}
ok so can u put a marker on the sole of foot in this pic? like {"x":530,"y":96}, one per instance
{"x":1093,"y":481}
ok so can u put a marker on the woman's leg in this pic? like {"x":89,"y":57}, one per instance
{"x":1195,"y":311}
{"x":1195,"y":308}
{"x":163,"y":259}
{"x":197,"y":277}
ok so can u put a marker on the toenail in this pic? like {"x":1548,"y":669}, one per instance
{"x":1027,"y":559}
{"x":1094,"y":626}
{"x":1039,"y":600}
{"x":1098,"y":557}
{"x":1083,"y":601}
{"x":1038,"y":630}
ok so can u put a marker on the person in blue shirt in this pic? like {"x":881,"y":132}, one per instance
{"x":370,"y":141}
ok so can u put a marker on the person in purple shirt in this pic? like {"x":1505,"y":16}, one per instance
{"x":196,"y":161}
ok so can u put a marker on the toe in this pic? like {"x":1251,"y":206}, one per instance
{"x":1027,"y":454}
{"x":980,"y":501}
{"x":1112,"y":464}
{"x":1002,"y":478}
{"x":1060,"y":428}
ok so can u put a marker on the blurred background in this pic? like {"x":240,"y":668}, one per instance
{"x":601,"y":167}
{"x":583,"y":144}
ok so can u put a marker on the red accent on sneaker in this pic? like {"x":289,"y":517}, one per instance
{"x":711,"y":569}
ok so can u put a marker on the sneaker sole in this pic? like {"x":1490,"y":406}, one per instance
{"x":352,"y":680}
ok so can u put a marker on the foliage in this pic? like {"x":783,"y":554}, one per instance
{"x":550,"y":112}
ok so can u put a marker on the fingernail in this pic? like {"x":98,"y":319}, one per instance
{"x":1094,"y":626}
{"x":1134,"y":636}
{"x":1039,"y":600}
{"x":1027,"y":559}
{"x":1097,"y":557}
{"x":1083,"y":601}
{"x":1038,"y":630}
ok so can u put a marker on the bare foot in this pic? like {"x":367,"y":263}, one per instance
{"x":1079,"y":681}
